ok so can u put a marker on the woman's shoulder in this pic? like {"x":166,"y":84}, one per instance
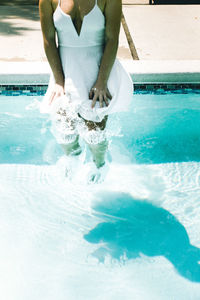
{"x":112,"y":5}
{"x":51,"y":4}
{"x":45,"y":1}
{"x":107,"y":3}
{"x":114,"y":2}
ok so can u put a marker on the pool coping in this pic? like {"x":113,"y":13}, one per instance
{"x":142,"y":72}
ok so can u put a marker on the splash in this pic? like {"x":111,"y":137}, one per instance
{"x":67,"y":124}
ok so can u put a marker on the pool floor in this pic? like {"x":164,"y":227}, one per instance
{"x":134,"y":236}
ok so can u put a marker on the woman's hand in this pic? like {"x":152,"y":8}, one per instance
{"x":100,"y":93}
{"x":58,"y":91}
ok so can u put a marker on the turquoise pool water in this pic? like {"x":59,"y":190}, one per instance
{"x":135,"y":236}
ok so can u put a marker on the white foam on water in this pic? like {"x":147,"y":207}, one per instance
{"x":43,"y":218}
{"x":49,"y":249}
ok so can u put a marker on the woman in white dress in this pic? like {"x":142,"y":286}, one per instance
{"x":87,"y":82}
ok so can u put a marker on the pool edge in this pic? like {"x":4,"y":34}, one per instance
{"x":22,"y":73}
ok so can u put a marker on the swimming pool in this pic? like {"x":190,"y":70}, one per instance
{"x":135,"y":236}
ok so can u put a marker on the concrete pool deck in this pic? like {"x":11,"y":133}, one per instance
{"x":166,"y":38}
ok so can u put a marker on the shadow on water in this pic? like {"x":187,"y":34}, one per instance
{"x":132,"y":226}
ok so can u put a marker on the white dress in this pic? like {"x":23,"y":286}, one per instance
{"x":81,"y":56}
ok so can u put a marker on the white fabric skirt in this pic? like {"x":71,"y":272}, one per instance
{"x":81,"y":67}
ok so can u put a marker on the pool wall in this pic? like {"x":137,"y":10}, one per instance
{"x":31,"y":77}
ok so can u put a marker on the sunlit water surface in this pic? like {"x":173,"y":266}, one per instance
{"x":135,"y":236}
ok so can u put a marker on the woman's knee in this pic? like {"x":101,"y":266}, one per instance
{"x":72,"y":148}
{"x":100,"y":147}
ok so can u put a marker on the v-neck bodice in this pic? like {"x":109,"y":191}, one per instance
{"x":81,"y":57}
{"x":91,"y":33}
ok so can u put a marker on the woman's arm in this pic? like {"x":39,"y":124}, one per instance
{"x":99,"y":91}
{"x":51,"y":50}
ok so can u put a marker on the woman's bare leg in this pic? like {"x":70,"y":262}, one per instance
{"x":98,"y":150}
{"x":70,"y":162}
{"x":98,"y":153}
{"x":73,"y":148}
